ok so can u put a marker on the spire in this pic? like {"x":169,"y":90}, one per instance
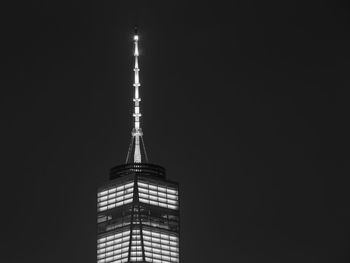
{"x":136,"y":134}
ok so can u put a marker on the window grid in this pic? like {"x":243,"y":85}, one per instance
{"x":114,"y":248}
{"x":160,"y":247}
{"x":136,"y":246}
{"x":162,"y":196}
{"x":115,"y":196}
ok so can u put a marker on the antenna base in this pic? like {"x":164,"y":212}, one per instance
{"x":136,"y":132}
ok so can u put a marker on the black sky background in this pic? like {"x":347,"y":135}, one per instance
{"x":245,"y":104}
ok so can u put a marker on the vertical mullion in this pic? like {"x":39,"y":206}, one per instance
{"x":132,"y":220}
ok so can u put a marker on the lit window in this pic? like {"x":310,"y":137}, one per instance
{"x":162,"y":189}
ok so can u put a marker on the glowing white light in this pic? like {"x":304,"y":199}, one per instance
{"x":115,"y":196}
{"x":159,"y":247}
{"x":113,"y":247}
{"x":136,"y":133}
{"x":158,"y":195}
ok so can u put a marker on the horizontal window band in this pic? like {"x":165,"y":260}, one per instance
{"x":115,"y":189}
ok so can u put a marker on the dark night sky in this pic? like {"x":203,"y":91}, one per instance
{"x":246,"y":105}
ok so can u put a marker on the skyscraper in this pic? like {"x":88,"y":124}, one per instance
{"x":138,"y":208}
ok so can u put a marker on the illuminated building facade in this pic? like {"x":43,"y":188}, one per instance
{"x":138,"y":208}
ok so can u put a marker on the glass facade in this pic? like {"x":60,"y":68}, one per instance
{"x":113,"y":247}
{"x":138,"y":217}
{"x":115,"y":196}
{"x":158,"y":195}
{"x":160,"y":246}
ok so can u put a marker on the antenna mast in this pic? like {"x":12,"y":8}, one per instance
{"x":136,"y":131}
